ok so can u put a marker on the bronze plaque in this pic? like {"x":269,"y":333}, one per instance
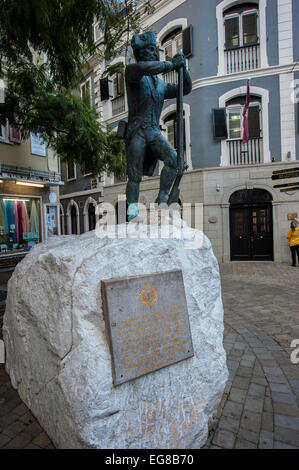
{"x":147,"y":323}
{"x":292,"y":216}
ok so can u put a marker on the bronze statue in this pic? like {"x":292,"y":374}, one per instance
{"x":145,"y":144}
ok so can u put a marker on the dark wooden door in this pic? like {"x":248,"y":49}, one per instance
{"x":251,"y":234}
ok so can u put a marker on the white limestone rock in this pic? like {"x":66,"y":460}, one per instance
{"x":59,"y":360}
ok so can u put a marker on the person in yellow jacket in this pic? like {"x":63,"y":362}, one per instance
{"x":293,"y":236}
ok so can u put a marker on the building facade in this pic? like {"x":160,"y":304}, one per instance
{"x":29,"y":194}
{"x":246,"y":214}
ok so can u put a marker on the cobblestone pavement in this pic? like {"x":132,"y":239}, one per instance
{"x":259,"y":407}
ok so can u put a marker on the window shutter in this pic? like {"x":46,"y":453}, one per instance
{"x":219,"y":123}
{"x":188,"y":41}
{"x":104,"y":89}
{"x":120,"y":84}
{"x":254,"y":121}
{"x":14,"y":135}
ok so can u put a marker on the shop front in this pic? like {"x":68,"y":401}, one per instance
{"x":29,"y":214}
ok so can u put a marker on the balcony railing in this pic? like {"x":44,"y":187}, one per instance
{"x":245,"y":154}
{"x":170,"y":77}
{"x":240,"y":59}
{"x":118,"y":105}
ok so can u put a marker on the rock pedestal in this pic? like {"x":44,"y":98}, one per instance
{"x":59,"y":359}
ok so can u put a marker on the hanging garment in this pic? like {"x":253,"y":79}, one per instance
{"x":34,"y":219}
{"x":15,"y":213}
{"x":20,"y":221}
{"x":11,"y":221}
{"x":3,"y":238}
{"x":5,"y":216}
{"x":25,"y":218}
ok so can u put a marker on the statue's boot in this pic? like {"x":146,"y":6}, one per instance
{"x":167,"y":177}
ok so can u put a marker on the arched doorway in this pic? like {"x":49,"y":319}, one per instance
{"x":251,"y":228}
{"x":74,"y":220}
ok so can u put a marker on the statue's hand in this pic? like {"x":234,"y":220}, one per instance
{"x":178,"y":61}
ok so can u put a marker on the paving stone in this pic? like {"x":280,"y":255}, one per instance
{"x":254,"y":404}
{"x":237,"y":394}
{"x":224,"y":439}
{"x":256,"y":390}
{"x":14,"y":429}
{"x":244,"y":371}
{"x":266,"y":440}
{"x":230,"y":424}
{"x":241,"y":382}
{"x":4,"y":440}
{"x":288,"y":436}
{"x":232,"y":409}
{"x":268,"y":407}
{"x":285,"y":409}
{"x":7,"y":419}
{"x":247,"y":435}
{"x":42,"y":440}
{"x":242,"y":444}
{"x":34,"y":429}
{"x":19,"y":442}
{"x":283,"y":398}
{"x":289,"y":422}
{"x":282,"y":445}
{"x":267,"y":421}
{"x":251,"y":421}
{"x":281,"y":388}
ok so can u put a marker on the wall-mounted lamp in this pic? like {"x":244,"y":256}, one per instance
{"x":217,"y":187}
{"x":289,"y":155}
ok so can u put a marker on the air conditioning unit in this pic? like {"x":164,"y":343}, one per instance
{"x":95,"y":182}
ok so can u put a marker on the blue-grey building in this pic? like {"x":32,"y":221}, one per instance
{"x":245,"y":215}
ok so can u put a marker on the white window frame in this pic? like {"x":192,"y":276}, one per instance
{"x":166,"y":112}
{"x":88,"y":80}
{"x":69,"y":217}
{"x":4,"y":138}
{"x":220,"y":8}
{"x":67,"y":172}
{"x":240,"y":17}
{"x":264,"y":105}
{"x":241,"y":107}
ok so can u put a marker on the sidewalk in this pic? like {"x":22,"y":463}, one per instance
{"x":259,"y":408}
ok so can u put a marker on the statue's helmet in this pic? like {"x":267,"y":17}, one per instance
{"x":139,"y":41}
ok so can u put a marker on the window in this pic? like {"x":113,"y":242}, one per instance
{"x":244,"y":153}
{"x":70,"y":171}
{"x":235,"y":121}
{"x":173,"y":43}
{"x":170,"y":126}
{"x":20,"y":227}
{"x":118,"y":101}
{"x":9,"y":134}
{"x":241,"y":28}
{"x":86,"y":93}
{"x":242,"y":49}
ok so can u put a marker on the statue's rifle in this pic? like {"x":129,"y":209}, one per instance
{"x":181,"y":165}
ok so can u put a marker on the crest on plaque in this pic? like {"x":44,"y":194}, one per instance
{"x":149,"y":295}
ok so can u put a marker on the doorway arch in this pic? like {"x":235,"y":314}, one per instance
{"x":251,"y":225}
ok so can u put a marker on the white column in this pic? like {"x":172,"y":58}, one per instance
{"x":287,"y":118}
{"x":285,"y":32}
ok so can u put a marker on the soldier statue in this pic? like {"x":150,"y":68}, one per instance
{"x":144,"y":142}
